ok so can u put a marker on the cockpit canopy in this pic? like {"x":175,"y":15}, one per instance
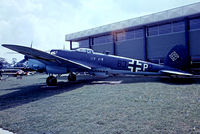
{"x":85,"y":50}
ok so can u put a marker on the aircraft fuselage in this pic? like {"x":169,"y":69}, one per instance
{"x":98,"y":61}
{"x":85,"y":60}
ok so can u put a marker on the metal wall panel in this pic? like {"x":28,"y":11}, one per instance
{"x":103,"y":47}
{"x":194,"y":38}
{"x":131,"y":48}
{"x":159,"y":46}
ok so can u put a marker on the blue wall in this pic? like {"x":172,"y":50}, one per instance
{"x":160,"y":39}
{"x":131,"y":48}
{"x":103,"y":47}
{"x":159,"y":46}
{"x":194,"y":38}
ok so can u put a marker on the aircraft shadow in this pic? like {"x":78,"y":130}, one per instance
{"x":27,"y":94}
{"x":157,"y":79}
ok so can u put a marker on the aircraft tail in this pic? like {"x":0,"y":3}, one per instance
{"x":178,"y":57}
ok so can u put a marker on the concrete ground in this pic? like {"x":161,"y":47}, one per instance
{"x":117,"y":105}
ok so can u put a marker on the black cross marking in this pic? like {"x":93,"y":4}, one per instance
{"x":133,"y":65}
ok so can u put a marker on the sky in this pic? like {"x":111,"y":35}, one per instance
{"x":44,"y":23}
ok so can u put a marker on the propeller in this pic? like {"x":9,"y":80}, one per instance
{"x":22,"y":63}
{"x":31,"y":64}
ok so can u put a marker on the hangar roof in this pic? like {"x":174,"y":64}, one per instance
{"x":139,"y":21}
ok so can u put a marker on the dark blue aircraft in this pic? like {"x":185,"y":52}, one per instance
{"x":86,"y":60}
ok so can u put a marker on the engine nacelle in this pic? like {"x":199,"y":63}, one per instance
{"x":41,"y":67}
{"x":36,"y":65}
{"x":56,"y":69}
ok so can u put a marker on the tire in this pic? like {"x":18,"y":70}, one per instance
{"x":72,"y":77}
{"x":51,"y":81}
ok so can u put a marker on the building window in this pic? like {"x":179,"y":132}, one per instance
{"x":195,"y":23}
{"x":103,"y":39}
{"x":84,"y":43}
{"x":125,"y":35}
{"x":152,"y":31}
{"x":178,"y":26}
{"x":164,"y":29}
{"x":139,"y":33}
{"x":121,"y":36}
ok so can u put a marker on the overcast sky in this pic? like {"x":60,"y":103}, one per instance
{"x":45,"y":22}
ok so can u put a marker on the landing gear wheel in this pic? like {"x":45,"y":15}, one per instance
{"x":72,"y":77}
{"x":51,"y":81}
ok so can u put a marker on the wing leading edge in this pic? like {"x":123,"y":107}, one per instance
{"x":169,"y":72}
{"x":45,"y":57}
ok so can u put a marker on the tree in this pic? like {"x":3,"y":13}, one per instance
{"x":3,"y":63}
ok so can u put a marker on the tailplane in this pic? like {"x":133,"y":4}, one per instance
{"x":178,"y":57}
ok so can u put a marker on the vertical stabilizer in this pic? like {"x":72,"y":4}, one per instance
{"x":178,"y":57}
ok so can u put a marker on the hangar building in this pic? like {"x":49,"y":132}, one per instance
{"x":148,"y":37}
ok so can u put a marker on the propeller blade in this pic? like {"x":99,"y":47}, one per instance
{"x":22,"y":61}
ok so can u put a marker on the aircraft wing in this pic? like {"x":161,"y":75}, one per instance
{"x":45,"y":57}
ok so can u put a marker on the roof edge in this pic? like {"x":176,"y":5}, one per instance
{"x":178,"y":12}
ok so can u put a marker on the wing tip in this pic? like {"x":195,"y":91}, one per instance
{"x":7,"y":45}
{"x":4,"y":45}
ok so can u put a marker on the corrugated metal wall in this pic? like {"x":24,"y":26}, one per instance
{"x":194,"y":38}
{"x":151,"y":42}
{"x":159,"y":46}
{"x":103,"y":47}
{"x":131,"y":48}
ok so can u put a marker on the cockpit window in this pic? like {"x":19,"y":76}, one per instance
{"x":85,"y":50}
{"x":53,"y":52}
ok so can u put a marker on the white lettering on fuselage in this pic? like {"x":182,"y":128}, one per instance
{"x":96,"y":58}
{"x":145,"y":66}
{"x":93,"y":58}
{"x":137,"y":66}
{"x":100,"y":59}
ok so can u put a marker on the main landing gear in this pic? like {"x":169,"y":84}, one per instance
{"x":52,"y":80}
{"x":71,"y":77}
